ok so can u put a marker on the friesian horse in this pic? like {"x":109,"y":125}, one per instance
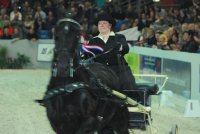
{"x":78,"y":98}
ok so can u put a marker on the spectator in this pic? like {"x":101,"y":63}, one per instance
{"x":188,"y":42}
{"x":40,"y":14}
{"x":143,"y":22}
{"x":77,"y":13}
{"x":31,"y":35}
{"x":157,"y":34}
{"x":26,"y":9}
{"x":173,"y":42}
{"x":27,"y":24}
{"x":3,"y":16}
{"x":16,"y":17}
{"x":99,"y":3}
{"x":60,"y":9}
{"x":160,"y":22}
{"x":7,"y":29}
{"x":123,"y":27}
{"x":151,"y":39}
{"x":6,"y":34}
{"x":4,"y":3}
{"x":142,"y":38}
{"x":135,"y":23}
{"x":184,"y":27}
{"x":17,"y":34}
{"x":15,"y":14}
{"x":151,"y":18}
{"x":119,"y":23}
{"x":191,"y":26}
{"x":1,"y":32}
{"x":90,"y":16}
{"x":50,"y":23}
{"x":39,"y":25}
{"x":162,"y":42}
{"x":49,"y":7}
{"x":130,"y":13}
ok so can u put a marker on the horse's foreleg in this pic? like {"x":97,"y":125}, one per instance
{"x":119,"y":122}
{"x":88,"y":126}
{"x":106,"y":130}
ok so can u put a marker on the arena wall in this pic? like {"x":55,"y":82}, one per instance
{"x":30,"y":49}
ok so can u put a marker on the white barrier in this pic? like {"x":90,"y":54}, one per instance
{"x":192,"y":58}
{"x":192,"y":109}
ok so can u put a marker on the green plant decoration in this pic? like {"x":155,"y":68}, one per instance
{"x":12,"y":63}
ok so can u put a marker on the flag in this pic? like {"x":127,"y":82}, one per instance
{"x":87,"y":48}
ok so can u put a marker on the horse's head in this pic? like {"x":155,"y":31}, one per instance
{"x":67,"y":34}
{"x":67,"y":40}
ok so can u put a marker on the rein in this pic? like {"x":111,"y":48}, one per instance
{"x":92,"y":58}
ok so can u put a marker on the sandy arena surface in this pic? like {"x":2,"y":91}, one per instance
{"x":19,"y":114}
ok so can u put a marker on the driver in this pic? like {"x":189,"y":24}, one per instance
{"x":109,"y":49}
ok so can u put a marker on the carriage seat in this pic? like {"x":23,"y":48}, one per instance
{"x":150,"y":89}
{"x":143,"y":96}
{"x":142,"y":92}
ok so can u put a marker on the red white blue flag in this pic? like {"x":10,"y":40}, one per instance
{"x":87,"y":48}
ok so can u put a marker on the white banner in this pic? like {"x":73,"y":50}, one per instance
{"x":131,"y":34}
{"x":45,"y":52}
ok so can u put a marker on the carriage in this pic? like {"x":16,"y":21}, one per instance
{"x":82,"y":99}
{"x":141,"y":118}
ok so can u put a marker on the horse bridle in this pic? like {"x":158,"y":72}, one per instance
{"x":71,"y":65}
{"x":68,"y":88}
{"x":69,"y":20}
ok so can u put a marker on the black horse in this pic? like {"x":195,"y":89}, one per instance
{"x":78,"y":98}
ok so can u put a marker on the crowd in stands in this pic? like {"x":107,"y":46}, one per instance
{"x":173,"y":28}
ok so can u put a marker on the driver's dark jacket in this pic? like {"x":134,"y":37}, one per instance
{"x":109,"y":57}
{"x":112,"y":57}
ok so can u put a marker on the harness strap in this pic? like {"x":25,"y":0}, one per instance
{"x":71,"y":70}
{"x":102,"y":103}
{"x":94,"y":81}
{"x":66,"y":89}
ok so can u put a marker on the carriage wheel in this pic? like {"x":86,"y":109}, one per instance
{"x":174,"y":129}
